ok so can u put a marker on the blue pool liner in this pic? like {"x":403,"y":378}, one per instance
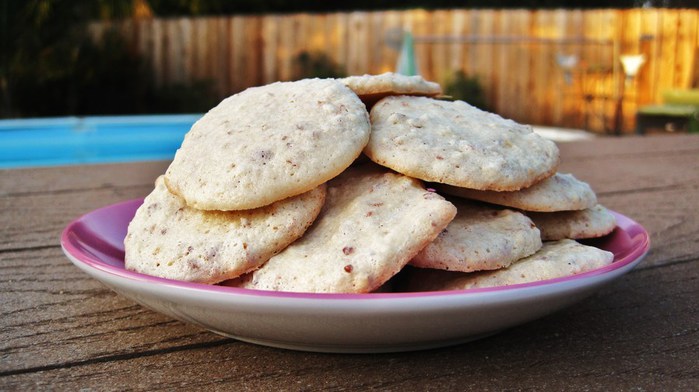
{"x":99,"y":139}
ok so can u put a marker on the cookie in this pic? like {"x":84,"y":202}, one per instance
{"x":457,"y":144}
{"x":590,"y":223}
{"x":168,"y":239}
{"x":554,"y":260}
{"x":269,"y":143}
{"x":372,"y":224}
{"x":480,"y":238}
{"x":560,"y":192}
{"x":371,"y":88}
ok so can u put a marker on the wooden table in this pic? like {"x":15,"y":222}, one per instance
{"x":61,"y":330}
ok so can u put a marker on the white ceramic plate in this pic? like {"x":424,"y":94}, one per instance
{"x":351,"y":323}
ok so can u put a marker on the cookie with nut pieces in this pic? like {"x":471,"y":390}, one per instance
{"x":556,"y":259}
{"x":372,"y":224}
{"x":454,"y":143}
{"x":588,"y":223}
{"x":269,"y":143}
{"x":168,"y":239}
{"x":560,"y":192}
{"x":480,"y":238}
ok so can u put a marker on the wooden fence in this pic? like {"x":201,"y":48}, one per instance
{"x":513,"y":52}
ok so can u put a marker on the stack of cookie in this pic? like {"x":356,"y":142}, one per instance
{"x":270,"y":191}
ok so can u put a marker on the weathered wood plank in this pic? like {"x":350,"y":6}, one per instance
{"x":441,"y":26}
{"x":615,"y":165}
{"x":385,"y":57}
{"x":168,"y":48}
{"x":541,"y":69}
{"x":630,"y":36}
{"x":200,"y":55}
{"x":668,"y":215}
{"x":458,"y":53}
{"x":52,"y":313}
{"x":571,"y":89}
{"x":668,"y":49}
{"x":221,"y":63}
{"x":175,"y":54}
{"x":613,"y":146}
{"x":60,"y":329}
{"x":502,"y":74}
{"x":358,"y":36}
{"x":419,"y":24}
{"x":37,"y":220}
{"x":340,"y":23}
{"x":637,"y":334}
{"x":484,"y":42}
{"x":285,"y":48}
{"x":236,"y":53}
{"x":269,"y":49}
{"x":157,"y":39}
{"x":187,"y":50}
{"x":686,"y":57}
{"x":648,"y":76}
{"x":254,"y":74}
{"x":79,"y":177}
{"x":483,"y":21}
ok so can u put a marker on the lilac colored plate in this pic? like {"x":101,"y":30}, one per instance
{"x":381,"y":322}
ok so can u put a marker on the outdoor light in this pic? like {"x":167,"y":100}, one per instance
{"x":632,"y":63}
{"x":567,"y":62}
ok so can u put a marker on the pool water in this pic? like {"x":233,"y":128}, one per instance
{"x":100,"y":139}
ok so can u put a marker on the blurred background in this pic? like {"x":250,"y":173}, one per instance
{"x":589,"y":65}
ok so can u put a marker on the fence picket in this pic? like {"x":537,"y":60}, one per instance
{"x":512,"y":52}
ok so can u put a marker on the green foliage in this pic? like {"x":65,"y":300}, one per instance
{"x":465,"y":88}
{"x":316,"y":65}
{"x":50,"y":66}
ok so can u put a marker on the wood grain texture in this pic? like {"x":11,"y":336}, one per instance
{"x":654,"y":180}
{"x":38,"y":220}
{"x":505,"y":49}
{"x":72,"y":178}
{"x":53,"y":314}
{"x":626,"y":337}
{"x":61,"y":330}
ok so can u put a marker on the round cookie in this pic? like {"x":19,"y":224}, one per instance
{"x":555,"y":259}
{"x":269,"y":143}
{"x":589,"y":223}
{"x":480,"y":238}
{"x":371,"y":88}
{"x":168,"y":239}
{"x":455,"y":143}
{"x":560,"y":192}
{"x":372,"y":224}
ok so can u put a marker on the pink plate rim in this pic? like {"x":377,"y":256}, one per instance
{"x":74,"y":245}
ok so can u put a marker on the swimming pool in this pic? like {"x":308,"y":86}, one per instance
{"x":105,"y":139}
{"x":98,"y":139}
